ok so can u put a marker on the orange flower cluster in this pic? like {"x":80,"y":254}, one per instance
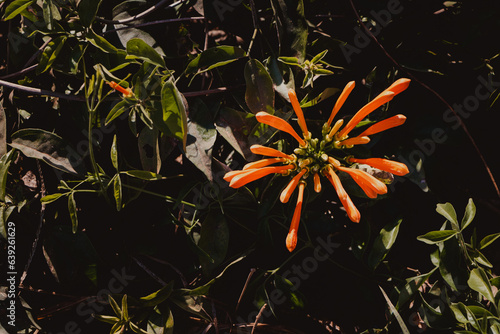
{"x":325,"y":157}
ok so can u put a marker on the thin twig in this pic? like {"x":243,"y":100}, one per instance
{"x":40,"y":224}
{"x":183,"y":279}
{"x":149,"y":272}
{"x":462,"y":124}
{"x":38,"y":91}
{"x":257,"y":318}
{"x":157,"y":22}
{"x":40,"y":49}
{"x":250,"y":274}
{"x":142,"y":14}
{"x":21,"y":72}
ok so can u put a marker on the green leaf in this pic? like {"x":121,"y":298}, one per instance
{"x":137,"y":48}
{"x":3,"y":131}
{"x":214,"y":241}
{"x":48,"y":147}
{"x":5,"y":162}
{"x":488,"y":240}
{"x":117,"y":110}
{"x":174,"y":117}
{"x":214,"y":57}
{"x":411,"y":288}
{"x":50,"y":13}
{"x":395,"y":312}
{"x":87,"y":10}
{"x":125,"y":308}
{"x":470,"y":212}
{"x":50,"y":53}
{"x":201,"y":138}
{"x":106,"y":318}
{"x":322,"y":71}
{"x":434,"y":237}
{"x":72,"y":212}
{"x":149,"y":150}
{"x":51,"y":198}
{"x":117,"y":191}
{"x":447,"y":211}
{"x":289,"y":60}
{"x":114,"y":153}
{"x":143,"y":175}
{"x":100,"y":42}
{"x":383,"y":243}
{"x":114,"y":305}
{"x":15,"y":8}
{"x":319,"y":56}
{"x":161,"y":321}
{"x":259,"y":94}
{"x":158,"y":296}
{"x":478,"y":281}
{"x":5,"y":212}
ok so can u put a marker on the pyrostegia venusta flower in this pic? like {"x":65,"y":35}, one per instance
{"x":327,"y":157}
{"x":127,"y":92}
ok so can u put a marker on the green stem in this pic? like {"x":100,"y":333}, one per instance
{"x":165,"y":197}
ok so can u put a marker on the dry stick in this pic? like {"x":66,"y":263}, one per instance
{"x":462,"y":124}
{"x":141,"y":15}
{"x":21,"y":72}
{"x":39,"y":230}
{"x":181,"y":276}
{"x":157,"y":22}
{"x":257,"y":318}
{"x":252,"y":271}
{"x":38,"y":91}
{"x":149,"y":272}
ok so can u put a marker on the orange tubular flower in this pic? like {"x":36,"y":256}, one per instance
{"x":384,"y":125}
{"x":262,"y":163}
{"x":279,"y":124}
{"x":383,"y":98}
{"x":394,"y":167}
{"x":263,"y":150}
{"x":298,"y":111}
{"x":288,"y":191}
{"x":253,"y":174}
{"x":340,"y":102}
{"x":326,"y":156}
{"x":291,"y":239}
{"x":370,"y":185}
{"x":355,"y":141}
{"x":127,"y":92}
{"x":317,"y":183}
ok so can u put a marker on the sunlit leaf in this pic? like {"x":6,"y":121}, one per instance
{"x":436,"y":236}
{"x":137,"y":48}
{"x":259,"y":94}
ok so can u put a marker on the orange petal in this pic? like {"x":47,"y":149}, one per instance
{"x":355,"y":141}
{"x":291,"y":238}
{"x":368,"y":183}
{"x":230,"y":175}
{"x":334,"y":162}
{"x":335,"y":181}
{"x":352,"y":211}
{"x":262,"y":163}
{"x":384,"y":125}
{"x":340,"y":101}
{"x":127,"y":92}
{"x":381,"y":99}
{"x":399,"y":85}
{"x":288,"y":191}
{"x":263,"y":150}
{"x":254,"y":174}
{"x":317,"y":183}
{"x":394,"y":167}
{"x":298,"y":111}
{"x":279,"y":124}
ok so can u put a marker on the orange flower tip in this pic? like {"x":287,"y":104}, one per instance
{"x":334,"y":162}
{"x":399,"y":85}
{"x":291,"y":240}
